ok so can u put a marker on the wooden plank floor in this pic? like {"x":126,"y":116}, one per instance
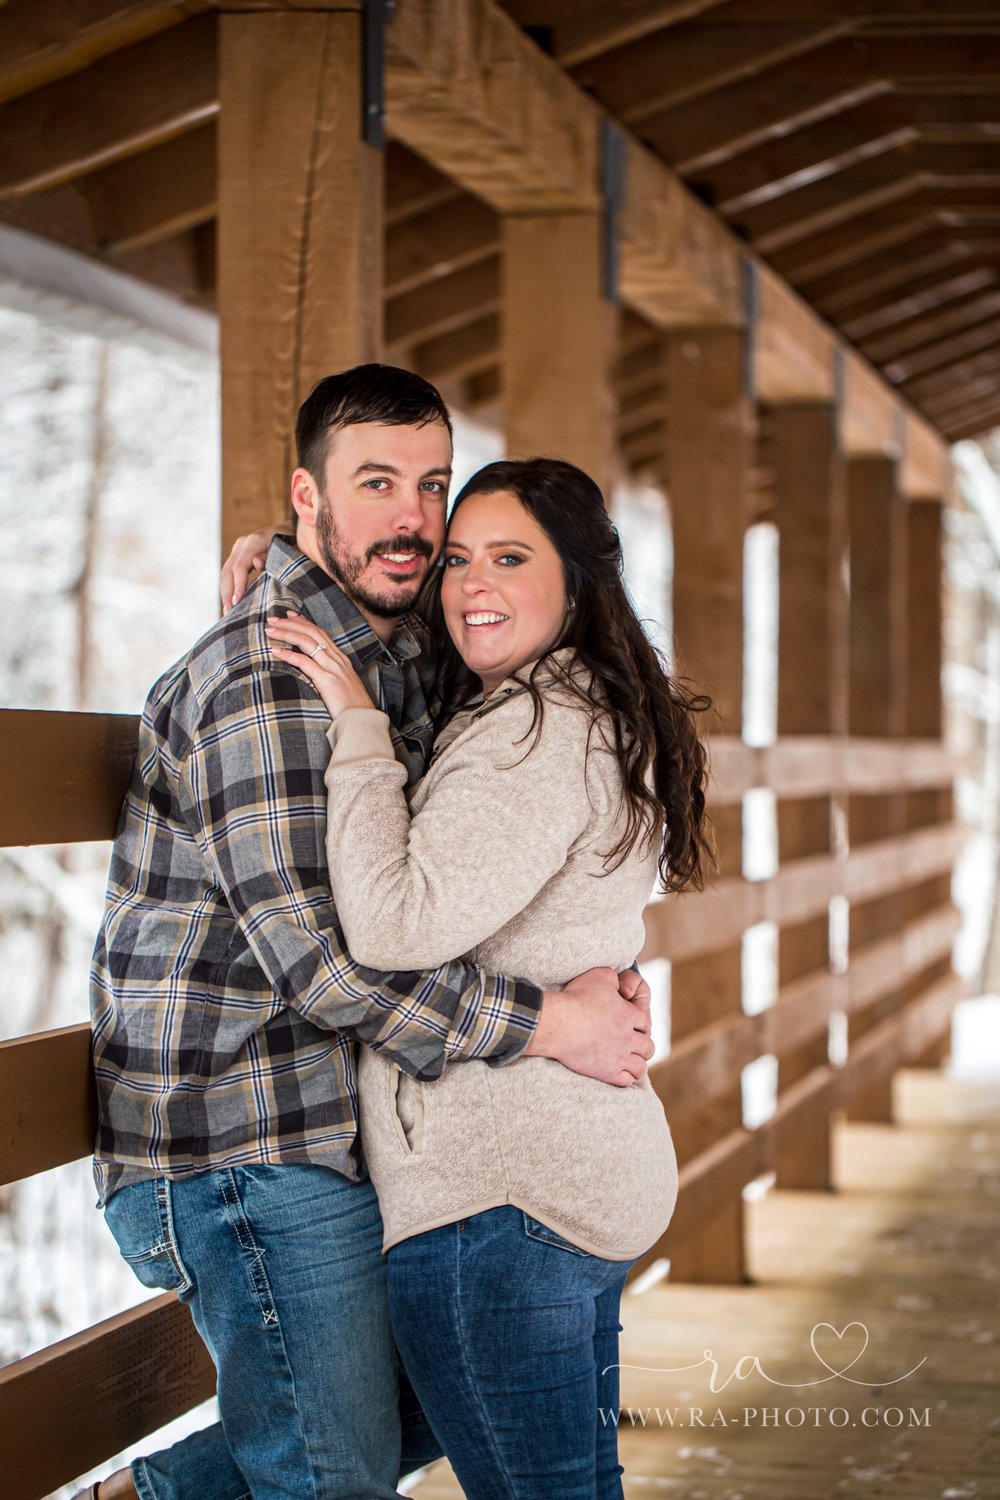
{"x":904,"y":1255}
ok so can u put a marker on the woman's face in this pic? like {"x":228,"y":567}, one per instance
{"x":503,"y":592}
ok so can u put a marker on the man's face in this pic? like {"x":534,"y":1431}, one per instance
{"x":380,"y":516}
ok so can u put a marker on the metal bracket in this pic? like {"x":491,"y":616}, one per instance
{"x":375,"y":17}
{"x":751,"y":307}
{"x":612,"y":188}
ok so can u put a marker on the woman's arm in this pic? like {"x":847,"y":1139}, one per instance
{"x":497,"y":825}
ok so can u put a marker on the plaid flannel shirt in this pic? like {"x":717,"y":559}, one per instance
{"x":225,"y":1006}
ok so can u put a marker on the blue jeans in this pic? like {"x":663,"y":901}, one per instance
{"x":507,"y":1332}
{"x":282,"y":1269}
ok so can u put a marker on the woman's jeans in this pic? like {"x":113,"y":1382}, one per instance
{"x":510,"y":1337}
{"x":282,"y":1269}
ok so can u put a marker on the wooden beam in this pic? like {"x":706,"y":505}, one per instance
{"x":977,"y":424}
{"x":63,"y":777}
{"x":869,"y":128}
{"x":50,"y":39}
{"x":467,"y":90}
{"x":439,"y":242}
{"x":642,"y":407}
{"x":703,"y":133}
{"x":811,"y":515}
{"x":711,"y":412}
{"x":913,"y":332}
{"x":925,"y":591}
{"x":48,"y":1102}
{"x":866,"y":235}
{"x":110,"y":1385}
{"x":413,"y":185}
{"x":952,"y":376}
{"x":805,"y":205}
{"x":802,"y":889}
{"x":155,"y":194}
{"x":869,"y":410}
{"x":877,"y":705}
{"x":122,"y":104}
{"x":483,"y":392}
{"x":863,"y":282}
{"x":971,"y":393}
{"x":679,"y":267}
{"x":942,"y":352}
{"x":558,"y":343}
{"x":961,"y":415}
{"x":793,"y":352}
{"x":733,"y":197}
{"x":180,"y":264}
{"x":443,"y":304}
{"x":463,"y":352}
{"x":502,"y":120}
{"x":925,"y":470}
{"x":919,"y":293}
{"x":642,"y":78}
{"x":300,"y":286}
{"x":578,"y":32}
{"x":700,"y":134}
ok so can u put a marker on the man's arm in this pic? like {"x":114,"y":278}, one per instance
{"x":256,"y":803}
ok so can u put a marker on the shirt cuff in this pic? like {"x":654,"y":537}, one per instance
{"x":360,"y":734}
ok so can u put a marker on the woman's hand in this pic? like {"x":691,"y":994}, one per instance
{"x":247,"y":556}
{"x":322,"y":662}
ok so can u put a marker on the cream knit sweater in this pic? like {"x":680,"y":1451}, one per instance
{"x":499,"y":858}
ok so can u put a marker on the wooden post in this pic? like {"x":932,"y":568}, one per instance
{"x":711,"y":420}
{"x":925,"y":720}
{"x":877,"y":706}
{"x":558,"y":337}
{"x":811,"y":512}
{"x":300,"y":239}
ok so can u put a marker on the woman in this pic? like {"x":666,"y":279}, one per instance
{"x":514,"y":1199}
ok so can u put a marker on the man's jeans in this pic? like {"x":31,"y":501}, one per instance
{"x":510,"y":1336}
{"x":282,"y":1270}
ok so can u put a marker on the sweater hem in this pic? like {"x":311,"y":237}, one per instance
{"x":558,"y":1226}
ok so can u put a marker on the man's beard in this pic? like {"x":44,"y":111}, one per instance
{"x":398,"y":594}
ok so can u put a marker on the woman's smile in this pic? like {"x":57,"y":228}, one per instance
{"x":503,"y":592}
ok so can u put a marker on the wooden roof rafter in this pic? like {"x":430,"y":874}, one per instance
{"x":483,"y":123}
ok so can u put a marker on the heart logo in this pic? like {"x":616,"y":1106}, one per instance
{"x":840,"y":1350}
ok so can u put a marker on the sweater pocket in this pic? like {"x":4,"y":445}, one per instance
{"x":406,"y":1110}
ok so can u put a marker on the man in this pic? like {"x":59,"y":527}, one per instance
{"x":226,"y":1010}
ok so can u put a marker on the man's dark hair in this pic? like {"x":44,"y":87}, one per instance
{"x":366,"y":393}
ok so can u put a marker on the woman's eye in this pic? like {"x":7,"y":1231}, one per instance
{"x":452,"y":559}
{"x":510,"y":558}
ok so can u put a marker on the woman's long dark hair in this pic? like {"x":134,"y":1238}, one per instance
{"x":662,"y":759}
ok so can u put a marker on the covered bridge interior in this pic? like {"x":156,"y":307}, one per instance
{"x":746,"y":252}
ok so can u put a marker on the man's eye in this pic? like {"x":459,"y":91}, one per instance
{"x":371,"y":484}
{"x":435,"y":486}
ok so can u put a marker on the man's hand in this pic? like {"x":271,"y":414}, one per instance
{"x":247,"y":556}
{"x":594,"y":1028}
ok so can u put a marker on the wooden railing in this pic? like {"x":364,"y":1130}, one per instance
{"x":62,"y":778}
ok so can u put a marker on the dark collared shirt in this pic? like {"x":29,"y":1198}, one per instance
{"x":225,"y":1006}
